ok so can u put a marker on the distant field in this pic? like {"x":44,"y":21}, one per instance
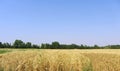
{"x":59,"y":60}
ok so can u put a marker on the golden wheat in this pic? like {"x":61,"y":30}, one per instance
{"x":61,"y":60}
{"x":45,"y":60}
{"x":104,"y":61}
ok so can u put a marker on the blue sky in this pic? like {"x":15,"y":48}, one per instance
{"x":67,"y":21}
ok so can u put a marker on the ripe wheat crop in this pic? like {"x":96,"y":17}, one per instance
{"x":60,"y":60}
{"x":46,"y":60}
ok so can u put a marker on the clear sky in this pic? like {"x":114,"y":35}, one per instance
{"x":67,"y":21}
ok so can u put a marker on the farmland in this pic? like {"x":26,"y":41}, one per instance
{"x":59,"y":60}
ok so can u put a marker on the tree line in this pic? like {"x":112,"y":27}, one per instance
{"x":18,"y":44}
{"x":53,"y":45}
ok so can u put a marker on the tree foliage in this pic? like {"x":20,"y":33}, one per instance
{"x":19,"y":44}
{"x":54,"y":45}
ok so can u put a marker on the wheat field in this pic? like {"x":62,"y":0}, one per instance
{"x":60,"y":60}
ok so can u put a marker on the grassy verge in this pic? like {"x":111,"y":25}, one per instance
{"x":4,"y":51}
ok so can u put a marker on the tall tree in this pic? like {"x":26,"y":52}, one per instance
{"x":28,"y":45}
{"x":19,"y":44}
{"x":55,"y":45}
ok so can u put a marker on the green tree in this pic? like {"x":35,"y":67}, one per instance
{"x":28,"y":45}
{"x":19,"y":44}
{"x":81,"y":46}
{"x":45,"y":46}
{"x":55,"y":45}
{"x":6,"y":45}
{"x":48,"y":46}
{"x":35,"y":46}
{"x":73,"y":46}
{"x":1,"y":45}
{"x":96,"y":46}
